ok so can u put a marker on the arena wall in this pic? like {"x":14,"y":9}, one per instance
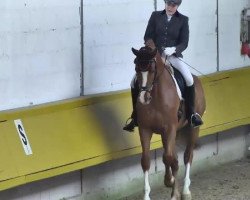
{"x":40,"y":52}
{"x":60,"y":49}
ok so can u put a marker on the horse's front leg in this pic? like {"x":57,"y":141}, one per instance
{"x":188,"y":158}
{"x":186,"y":194}
{"x":145,"y":136}
{"x":171,"y":162}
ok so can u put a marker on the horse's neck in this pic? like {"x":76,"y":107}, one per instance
{"x":165,"y":87}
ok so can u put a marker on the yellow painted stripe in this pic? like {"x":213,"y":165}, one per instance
{"x":78,"y":133}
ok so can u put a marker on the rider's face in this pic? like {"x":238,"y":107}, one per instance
{"x":171,"y":8}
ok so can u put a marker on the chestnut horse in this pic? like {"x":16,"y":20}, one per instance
{"x":158,"y":109}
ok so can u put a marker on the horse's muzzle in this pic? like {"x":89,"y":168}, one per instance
{"x":145,"y":97}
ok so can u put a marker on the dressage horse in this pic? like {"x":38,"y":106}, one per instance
{"x":158,"y":108}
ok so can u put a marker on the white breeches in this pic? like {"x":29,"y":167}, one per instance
{"x":183,"y":69}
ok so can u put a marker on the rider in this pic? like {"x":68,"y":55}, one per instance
{"x":169,"y":30}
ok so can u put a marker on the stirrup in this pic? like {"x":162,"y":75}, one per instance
{"x":130,"y":126}
{"x":196,"y":120}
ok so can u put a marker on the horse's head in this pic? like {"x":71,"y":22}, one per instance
{"x":145,"y":67}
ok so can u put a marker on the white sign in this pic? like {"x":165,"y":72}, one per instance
{"x":23,"y":137}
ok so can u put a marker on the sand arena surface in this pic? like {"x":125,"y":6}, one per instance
{"x":230,"y":181}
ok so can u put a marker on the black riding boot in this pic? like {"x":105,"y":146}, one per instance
{"x":193,"y":117}
{"x":133,"y":123}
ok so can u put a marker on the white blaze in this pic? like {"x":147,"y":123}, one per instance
{"x":144,"y":78}
{"x":144,"y":83}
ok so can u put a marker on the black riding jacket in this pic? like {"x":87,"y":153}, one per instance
{"x":174,"y":33}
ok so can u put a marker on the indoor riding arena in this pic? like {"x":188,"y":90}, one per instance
{"x":65,"y":72}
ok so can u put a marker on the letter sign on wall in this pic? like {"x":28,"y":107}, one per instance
{"x":23,"y":137}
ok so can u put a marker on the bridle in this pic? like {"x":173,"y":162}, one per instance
{"x":149,"y":64}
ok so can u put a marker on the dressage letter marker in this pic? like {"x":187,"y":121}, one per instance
{"x":23,"y":137}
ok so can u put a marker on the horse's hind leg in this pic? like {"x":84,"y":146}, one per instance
{"x":145,"y":136}
{"x":171,"y":162}
{"x":188,"y":158}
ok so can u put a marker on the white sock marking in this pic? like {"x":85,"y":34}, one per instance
{"x":187,"y":180}
{"x":146,"y":186}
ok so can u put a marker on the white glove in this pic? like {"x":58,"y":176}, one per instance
{"x":169,"y":51}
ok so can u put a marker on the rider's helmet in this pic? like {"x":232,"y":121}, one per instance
{"x":175,"y":2}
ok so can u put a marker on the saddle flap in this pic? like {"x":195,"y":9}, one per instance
{"x":180,"y":81}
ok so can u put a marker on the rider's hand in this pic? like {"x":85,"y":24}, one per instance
{"x":169,"y":51}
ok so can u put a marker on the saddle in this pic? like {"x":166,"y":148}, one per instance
{"x":179,"y":79}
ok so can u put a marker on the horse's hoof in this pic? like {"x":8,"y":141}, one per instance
{"x":186,"y":197}
{"x":169,"y":183}
{"x":175,"y":198}
{"x":175,"y":195}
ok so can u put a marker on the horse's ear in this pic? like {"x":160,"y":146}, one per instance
{"x":136,"y":52}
